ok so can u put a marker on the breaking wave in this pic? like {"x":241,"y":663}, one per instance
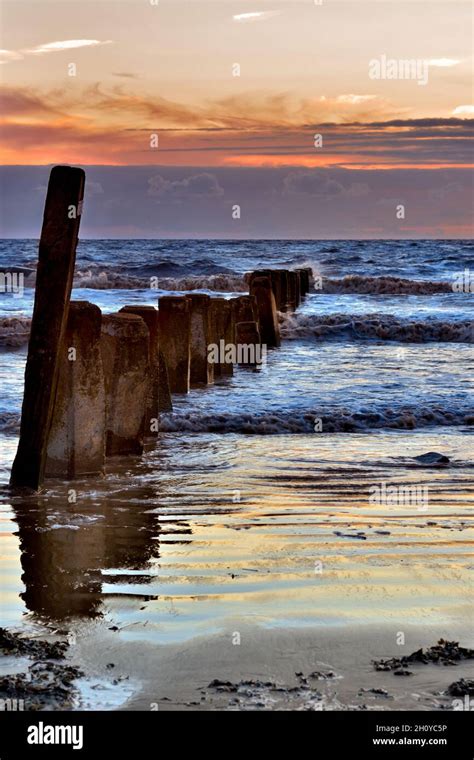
{"x":14,"y":331}
{"x":10,"y":423}
{"x":356,"y":283}
{"x":112,"y":280}
{"x":303,"y":421}
{"x":223,"y":283}
{"x":297,"y":421}
{"x":370,"y":326}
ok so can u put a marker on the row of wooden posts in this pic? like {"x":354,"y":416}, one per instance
{"x":95,"y":384}
{"x":118,"y":372}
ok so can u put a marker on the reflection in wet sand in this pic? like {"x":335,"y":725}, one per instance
{"x":156,"y":567}
{"x":203,"y":531}
{"x":66,"y":547}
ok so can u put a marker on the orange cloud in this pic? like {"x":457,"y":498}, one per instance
{"x":97,"y":125}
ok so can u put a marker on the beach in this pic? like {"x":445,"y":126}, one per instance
{"x":287,"y":521}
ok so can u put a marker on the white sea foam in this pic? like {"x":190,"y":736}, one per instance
{"x":356,"y":283}
{"x":10,"y":423}
{"x":304,"y":421}
{"x":298,"y":325}
{"x":14,"y":331}
{"x":112,"y":280}
{"x":288,"y":421}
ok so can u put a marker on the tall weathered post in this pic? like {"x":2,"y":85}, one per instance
{"x":309,"y":278}
{"x":175,"y":340}
{"x":293,"y":291}
{"x":223,"y":331}
{"x":261,"y":288}
{"x":276,"y":281}
{"x":76,"y":442}
{"x":248,"y":343}
{"x":56,"y":259}
{"x":304,"y":281}
{"x":202,"y":371}
{"x":165,"y":403}
{"x":284,"y":285}
{"x":245,"y":309}
{"x":125,"y":358}
{"x":277,"y":287}
{"x":150,"y":316}
{"x":297,"y":287}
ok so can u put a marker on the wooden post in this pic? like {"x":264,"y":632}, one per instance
{"x":76,"y":441}
{"x":160,"y":389}
{"x":297,"y":287}
{"x":304,"y":281}
{"x":57,"y":255}
{"x":293,"y":291}
{"x":276,"y":287}
{"x":165,"y":403}
{"x":245,"y":309}
{"x":175,"y":340}
{"x":276,"y":280}
{"x":202,"y":371}
{"x":248,"y":342}
{"x":261,"y":288}
{"x":284,"y":277}
{"x":125,"y":352}
{"x":150,"y":316}
{"x":223,"y":330}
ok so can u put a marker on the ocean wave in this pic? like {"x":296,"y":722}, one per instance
{"x":100,"y":277}
{"x":356,"y":283}
{"x":109,"y":279}
{"x":306,"y":421}
{"x":222,"y":283}
{"x":14,"y":331}
{"x":374,"y":326}
{"x":296,"y":421}
{"x":10,"y":423}
{"x":113,"y":280}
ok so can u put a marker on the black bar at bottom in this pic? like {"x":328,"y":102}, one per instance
{"x":127,"y":735}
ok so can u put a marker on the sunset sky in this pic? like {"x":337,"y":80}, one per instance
{"x":153,"y":86}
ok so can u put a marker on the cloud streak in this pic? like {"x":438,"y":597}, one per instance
{"x":443,"y":63}
{"x":355,"y":100}
{"x":255,"y":16}
{"x":464,"y":111}
{"x":8,"y":56}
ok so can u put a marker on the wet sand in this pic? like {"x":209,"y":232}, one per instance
{"x":326,"y":668}
{"x":155,"y":572}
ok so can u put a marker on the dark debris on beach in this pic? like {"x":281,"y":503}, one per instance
{"x":461,"y":688}
{"x":443,"y":653}
{"x":14,"y":644}
{"x":48,"y":684}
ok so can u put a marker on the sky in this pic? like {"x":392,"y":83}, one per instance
{"x":319,"y":120}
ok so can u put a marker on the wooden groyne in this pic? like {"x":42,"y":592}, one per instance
{"x":95,"y":385}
